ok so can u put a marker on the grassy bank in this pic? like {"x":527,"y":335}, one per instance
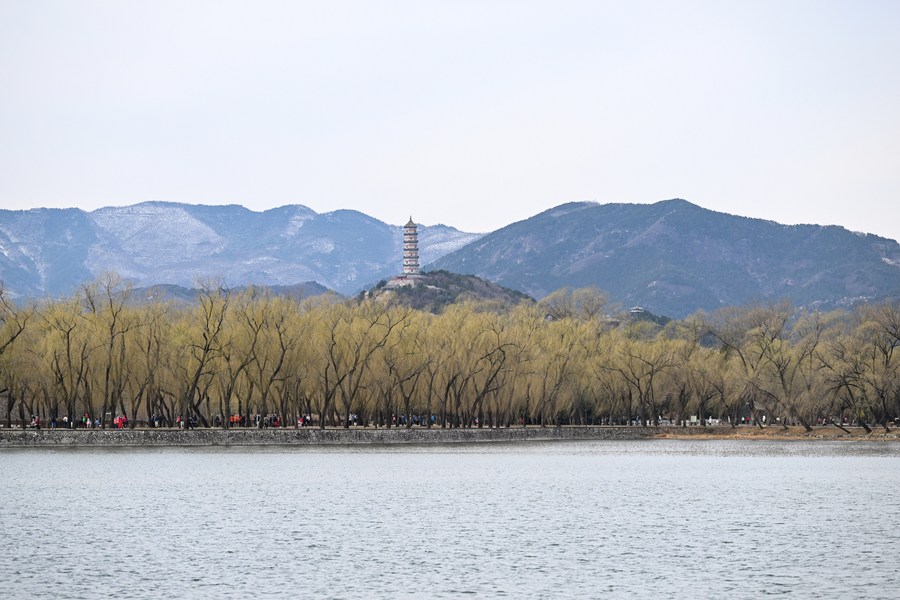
{"x":778,"y":433}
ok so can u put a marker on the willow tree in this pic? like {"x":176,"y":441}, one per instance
{"x":461,"y":327}
{"x":239,"y":340}
{"x":295,"y":370}
{"x":347,"y":338}
{"x":750,"y":336}
{"x":66,"y":346}
{"x":687,"y":388}
{"x":405,"y":358}
{"x":713,"y":388}
{"x":583,"y":304}
{"x":437,"y":349}
{"x":111,"y":322}
{"x":268,"y":321}
{"x":198,"y":336}
{"x":494,"y":348}
{"x":587,"y":340}
{"x":778,"y":363}
{"x":680,"y":381}
{"x":641,"y":365}
{"x":803,"y":385}
{"x":363,"y":337}
{"x":843,"y":356}
{"x":13,"y":321}
{"x":295,"y":389}
{"x":558,"y":345}
{"x":880,"y":330}
{"x":510,"y":399}
{"x":144,"y":359}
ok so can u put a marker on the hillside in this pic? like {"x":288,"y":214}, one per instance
{"x":674,"y":258}
{"x":435,"y":290}
{"x":51,"y":251}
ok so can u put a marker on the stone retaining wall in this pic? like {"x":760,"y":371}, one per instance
{"x":311,"y":437}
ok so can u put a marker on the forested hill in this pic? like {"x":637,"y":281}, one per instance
{"x":674,"y":258}
{"x":437,"y":289}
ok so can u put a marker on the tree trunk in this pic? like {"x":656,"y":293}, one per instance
{"x":805,"y":424}
{"x":861,"y":419}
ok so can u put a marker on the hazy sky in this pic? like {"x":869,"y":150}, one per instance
{"x":470,"y":113}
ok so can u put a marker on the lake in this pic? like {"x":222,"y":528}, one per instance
{"x":635,"y":519}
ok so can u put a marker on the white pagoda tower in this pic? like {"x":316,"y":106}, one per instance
{"x":410,"y":249}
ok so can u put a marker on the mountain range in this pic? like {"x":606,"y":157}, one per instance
{"x":671,"y":257}
{"x":675,"y":257}
{"x":51,"y":251}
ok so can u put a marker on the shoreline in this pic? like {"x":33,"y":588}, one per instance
{"x":117,"y":438}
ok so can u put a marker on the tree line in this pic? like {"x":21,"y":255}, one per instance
{"x":245,"y":357}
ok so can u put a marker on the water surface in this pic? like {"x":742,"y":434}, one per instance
{"x":661,"y":518}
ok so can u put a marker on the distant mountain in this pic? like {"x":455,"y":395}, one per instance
{"x":671,"y":257}
{"x":674,"y":258}
{"x":51,"y":251}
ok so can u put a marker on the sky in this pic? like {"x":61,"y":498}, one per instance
{"x":471,"y":113}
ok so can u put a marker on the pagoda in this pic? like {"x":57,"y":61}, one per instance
{"x":410,"y":249}
{"x":410,"y":275}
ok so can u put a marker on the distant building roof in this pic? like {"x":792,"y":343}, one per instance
{"x":410,"y":224}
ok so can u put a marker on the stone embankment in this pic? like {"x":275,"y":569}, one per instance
{"x":306,"y":437}
{"x":95,"y":438}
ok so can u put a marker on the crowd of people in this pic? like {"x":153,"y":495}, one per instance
{"x":83,"y":422}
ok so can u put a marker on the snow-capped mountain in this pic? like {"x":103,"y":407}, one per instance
{"x":52,"y":251}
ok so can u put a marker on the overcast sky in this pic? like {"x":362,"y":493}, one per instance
{"x":470,"y":113}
